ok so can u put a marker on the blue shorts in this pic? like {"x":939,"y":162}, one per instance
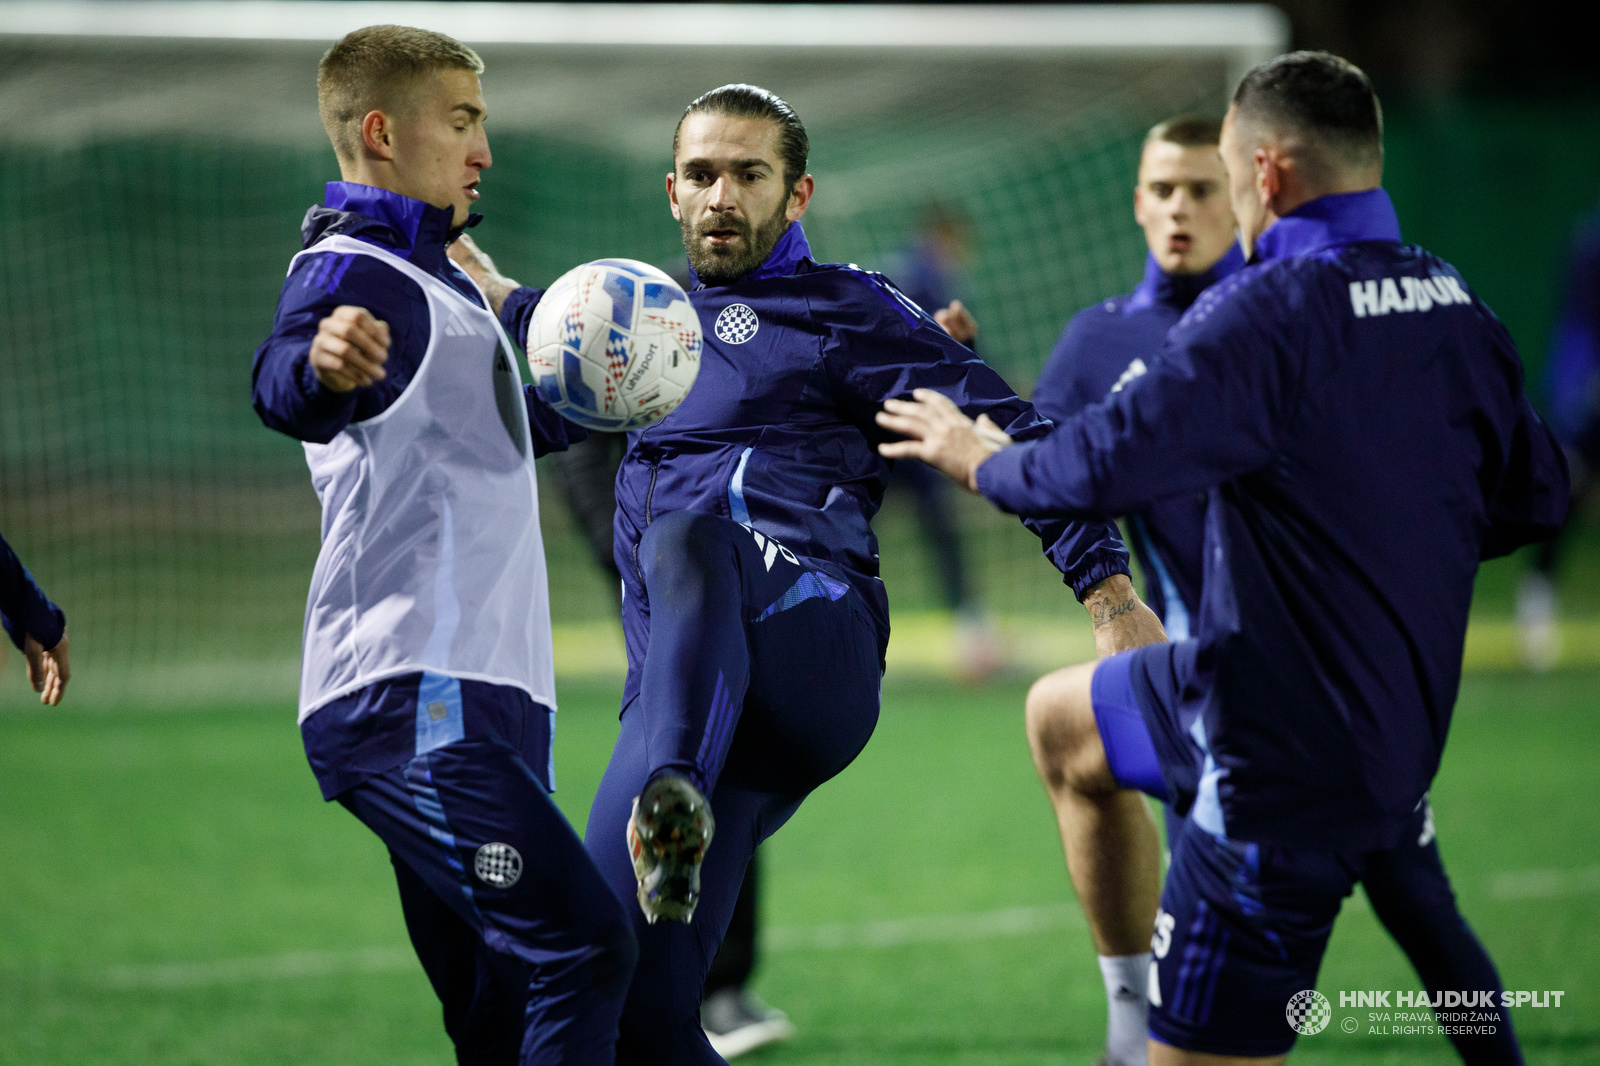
{"x":1242,"y":928}
{"x":1137,"y":695}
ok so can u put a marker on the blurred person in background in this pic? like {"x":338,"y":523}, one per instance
{"x":931,"y":270}
{"x":36,"y":626}
{"x":1573,"y":383}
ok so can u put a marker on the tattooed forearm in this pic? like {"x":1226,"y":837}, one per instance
{"x":1103,"y":614}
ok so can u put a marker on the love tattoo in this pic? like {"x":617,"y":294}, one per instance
{"x":1103,"y":614}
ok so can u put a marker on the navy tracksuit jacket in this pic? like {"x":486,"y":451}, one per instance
{"x":1358,"y":420}
{"x":778,"y":431}
{"x":1104,"y":347}
{"x":755,"y":620}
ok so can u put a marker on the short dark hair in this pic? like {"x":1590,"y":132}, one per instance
{"x":752,"y":101}
{"x":373,"y":68}
{"x":1325,"y":99}
{"x":1187,"y":131}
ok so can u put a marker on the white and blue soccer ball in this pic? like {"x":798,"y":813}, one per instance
{"x":614,"y":345}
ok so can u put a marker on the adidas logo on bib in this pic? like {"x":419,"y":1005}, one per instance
{"x":456,"y":326}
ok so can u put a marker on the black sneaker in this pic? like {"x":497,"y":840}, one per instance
{"x":737,"y":1021}
{"x":668,"y":833}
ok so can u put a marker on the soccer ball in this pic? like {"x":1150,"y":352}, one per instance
{"x":614,"y":345}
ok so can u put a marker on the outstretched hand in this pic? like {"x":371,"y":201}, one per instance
{"x":48,"y":669}
{"x":940,"y":435}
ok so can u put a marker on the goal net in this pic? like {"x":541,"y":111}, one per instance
{"x":158,"y":156}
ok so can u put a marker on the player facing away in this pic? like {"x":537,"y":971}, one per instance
{"x":427,"y":698}
{"x":1358,"y":420}
{"x":754,"y":616}
{"x":36,"y":626}
{"x":1181,"y":202}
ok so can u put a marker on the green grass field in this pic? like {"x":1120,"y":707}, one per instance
{"x":173,"y":891}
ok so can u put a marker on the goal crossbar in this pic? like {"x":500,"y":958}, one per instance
{"x":1257,"y":29}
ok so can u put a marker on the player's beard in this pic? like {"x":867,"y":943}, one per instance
{"x":724,"y":266}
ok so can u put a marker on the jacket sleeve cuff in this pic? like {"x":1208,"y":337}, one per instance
{"x":551,"y":432}
{"x":44,"y":621}
{"x":323,"y":403}
{"x":1095,"y":568}
{"x":517,"y":311}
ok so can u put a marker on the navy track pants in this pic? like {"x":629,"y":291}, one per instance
{"x":761,"y":681}
{"x":527,"y":947}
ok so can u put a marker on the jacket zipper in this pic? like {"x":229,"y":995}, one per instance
{"x":650,"y":493}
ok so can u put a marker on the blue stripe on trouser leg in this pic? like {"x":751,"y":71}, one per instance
{"x":760,"y":706}
{"x":530,"y":956}
{"x":807,"y":586}
{"x":1243,"y":928}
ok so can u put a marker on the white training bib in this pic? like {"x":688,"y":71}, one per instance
{"x":431,"y":556}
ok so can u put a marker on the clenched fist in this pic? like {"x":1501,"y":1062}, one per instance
{"x":350,"y":349}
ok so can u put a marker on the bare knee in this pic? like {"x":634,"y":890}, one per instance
{"x":1063,"y":736}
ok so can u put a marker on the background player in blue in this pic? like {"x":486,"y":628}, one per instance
{"x":1572,"y":382}
{"x":1362,"y":419}
{"x":929,"y":271}
{"x":1181,"y":203}
{"x":755,"y":620}
{"x":36,"y":626}
{"x":427,"y":700}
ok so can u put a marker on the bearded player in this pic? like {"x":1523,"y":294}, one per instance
{"x":427,"y":699}
{"x":755,"y":620}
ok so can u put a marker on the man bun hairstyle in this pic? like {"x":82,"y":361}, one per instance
{"x":1187,"y":131}
{"x":374,"y":69}
{"x":752,"y":101}
{"x":1324,"y":99}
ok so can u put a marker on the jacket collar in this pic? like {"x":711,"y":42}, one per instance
{"x":413,"y":229}
{"x":1329,"y":222}
{"x":792,"y":249}
{"x":1178,"y":291}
